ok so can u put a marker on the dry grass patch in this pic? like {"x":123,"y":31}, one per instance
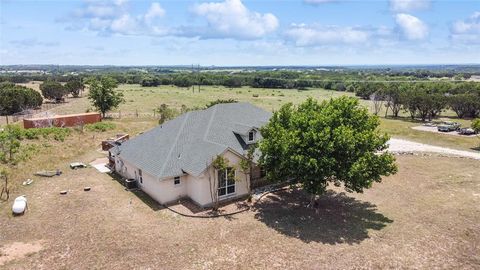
{"x":425,"y":217}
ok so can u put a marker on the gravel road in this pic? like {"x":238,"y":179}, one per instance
{"x":399,"y":145}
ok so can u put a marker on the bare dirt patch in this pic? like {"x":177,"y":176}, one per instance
{"x":18,"y":250}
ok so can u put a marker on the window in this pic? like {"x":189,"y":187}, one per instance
{"x":140,"y":176}
{"x":226,"y":182}
{"x":176,"y":180}
{"x":251,"y":136}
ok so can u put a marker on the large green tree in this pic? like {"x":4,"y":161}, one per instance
{"x":103,"y":95}
{"x":335,"y":141}
{"x":14,"y":98}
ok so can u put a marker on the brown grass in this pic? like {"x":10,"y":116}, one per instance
{"x":425,"y":217}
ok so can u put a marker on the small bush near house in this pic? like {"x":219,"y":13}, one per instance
{"x":100,"y":126}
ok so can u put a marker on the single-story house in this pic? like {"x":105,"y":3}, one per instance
{"x":173,"y":160}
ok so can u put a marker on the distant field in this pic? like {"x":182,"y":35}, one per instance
{"x":144,"y":100}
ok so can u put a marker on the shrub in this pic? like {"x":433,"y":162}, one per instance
{"x":476,"y":125}
{"x":220,"y":101}
{"x":100,"y":126}
{"x":59,"y":134}
{"x":255,"y":95}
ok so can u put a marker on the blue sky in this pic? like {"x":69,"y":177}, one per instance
{"x":239,"y":32}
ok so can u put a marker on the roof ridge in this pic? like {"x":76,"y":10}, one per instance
{"x":187,"y":115}
{"x":210,"y":121}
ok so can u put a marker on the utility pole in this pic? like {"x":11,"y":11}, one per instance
{"x":198,"y":71}
{"x":193,"y":84}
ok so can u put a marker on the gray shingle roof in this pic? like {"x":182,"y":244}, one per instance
{"x":188,"y":143}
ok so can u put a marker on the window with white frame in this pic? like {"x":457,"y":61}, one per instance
{"x":176,"y":180}
{"x":251,"y":136}
{"x":226,"y":182}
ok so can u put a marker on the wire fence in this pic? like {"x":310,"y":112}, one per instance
{"x":132,"y":115}
{"x":43,"y":111}
{"x":40,"y":113}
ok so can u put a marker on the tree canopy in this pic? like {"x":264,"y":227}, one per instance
{"x":53,"y":90}
{"x":103,"y":95}
{"x":74,"y":86}
{"x":334,"y":141}
{"x":476,"y":125}
{"x":15,"y":98}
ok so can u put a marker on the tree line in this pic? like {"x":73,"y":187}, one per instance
{"x":15,"y":98}
{"x":423,"y":100}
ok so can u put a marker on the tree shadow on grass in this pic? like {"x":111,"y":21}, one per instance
{"x":339,"y":218}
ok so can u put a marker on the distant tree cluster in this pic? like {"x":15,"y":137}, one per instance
{"x":75,"y":86}
{"x":56,"y":91}
{"x":423,"y":100}
{"x":15,"y":98}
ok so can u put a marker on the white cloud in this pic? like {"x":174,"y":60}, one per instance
{"x":232,"y":19}
{"x":112,"y":17}
{"x":467,"y":31}
{"x":315,"y":35}
{"x":155,"y":11}
{"x":409,"y":5}
{"x":124,"y":25}
{"x":411,"y":27}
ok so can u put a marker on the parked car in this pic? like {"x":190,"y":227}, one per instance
{"x":19,"y":205}
{"x":448,"y":126}
{"x":467,"y":131}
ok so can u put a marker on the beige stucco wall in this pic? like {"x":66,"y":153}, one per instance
{"x":197,"y":188}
